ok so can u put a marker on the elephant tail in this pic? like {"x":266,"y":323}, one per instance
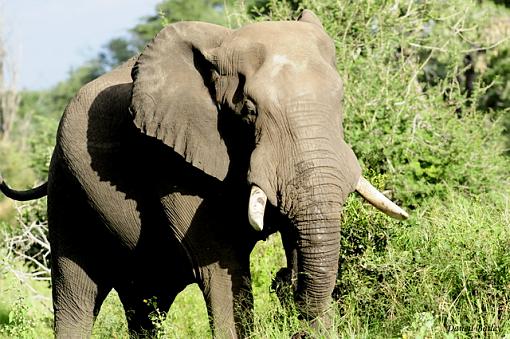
{"x":31,"y":194}
{"x":376,"y":198}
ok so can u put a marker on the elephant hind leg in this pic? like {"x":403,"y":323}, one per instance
{"x":77,"y":299}
{"x":83,"y":259}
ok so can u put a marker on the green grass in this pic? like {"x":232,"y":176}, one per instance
{"x":446,"y":270}
{"x":25,"y":309}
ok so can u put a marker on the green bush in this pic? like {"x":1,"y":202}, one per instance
{"x":41,"y":145}
{"x":15,"y":166}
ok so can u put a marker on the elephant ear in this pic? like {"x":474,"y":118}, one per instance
{"x":310,"y":17}
{"x":171,"y":99}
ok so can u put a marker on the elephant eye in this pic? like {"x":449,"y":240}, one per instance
{"x":249,"y":111}
{"x":250,"y":107}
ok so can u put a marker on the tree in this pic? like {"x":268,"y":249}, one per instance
{"x":119,"y":50}
{"x":9,"y":97}
{"x":179,"y":10}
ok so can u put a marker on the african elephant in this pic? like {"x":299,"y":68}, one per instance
{"x":161,"y":165}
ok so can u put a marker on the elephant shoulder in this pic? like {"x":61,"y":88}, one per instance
{"x":107,"y":90}
{"x":98,"y":112}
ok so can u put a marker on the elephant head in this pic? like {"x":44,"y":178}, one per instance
{"x":280,"y":79}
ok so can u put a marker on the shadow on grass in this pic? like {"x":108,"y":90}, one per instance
{"x":4,"y":314}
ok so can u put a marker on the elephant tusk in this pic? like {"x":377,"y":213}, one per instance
{"x":376,"y":198}
{"x":256,"y":208}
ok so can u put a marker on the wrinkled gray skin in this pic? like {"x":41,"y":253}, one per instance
{"x":149,"y":182}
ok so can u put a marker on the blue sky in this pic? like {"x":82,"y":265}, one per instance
{"x":47,"y":38}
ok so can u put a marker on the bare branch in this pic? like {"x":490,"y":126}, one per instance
{"x":31,"y":245}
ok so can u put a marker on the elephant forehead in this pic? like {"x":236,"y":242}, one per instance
{"x":284,"y":45}
{"x":302,"y":69}
{"x":280,"y":61}
{"x":279,"y":35}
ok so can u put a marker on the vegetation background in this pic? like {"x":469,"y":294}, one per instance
{"x":427,"y":108}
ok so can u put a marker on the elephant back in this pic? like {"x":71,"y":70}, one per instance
{"x":95,"y":116}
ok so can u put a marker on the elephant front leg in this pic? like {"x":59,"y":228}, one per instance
{"x":229,"y":298}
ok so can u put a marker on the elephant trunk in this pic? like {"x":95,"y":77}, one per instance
{"x":318,"y":244}
{"x":316,"y":218}
{"x":325,"y":173}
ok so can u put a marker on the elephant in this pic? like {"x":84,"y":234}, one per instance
{"x":168,"y":169}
